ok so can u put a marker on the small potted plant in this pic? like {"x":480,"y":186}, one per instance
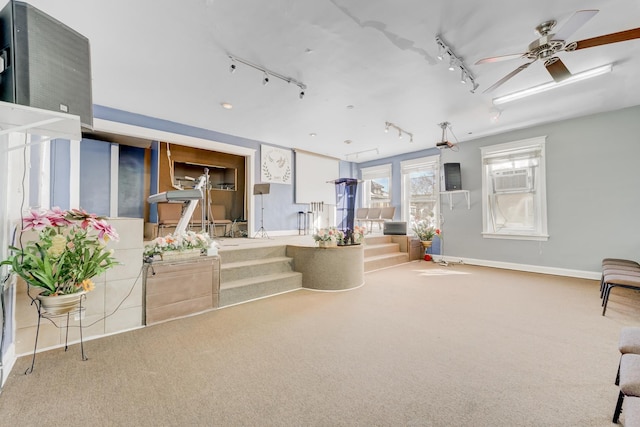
{"x":327,"y":237}
{"x":178,"y":246}
{"x":426,"y":232}
{"x":69,"y":251}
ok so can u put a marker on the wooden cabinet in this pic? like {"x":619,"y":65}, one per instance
{"x":178,"y":288}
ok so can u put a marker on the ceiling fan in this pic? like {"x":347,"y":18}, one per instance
{"x":545,"y":47}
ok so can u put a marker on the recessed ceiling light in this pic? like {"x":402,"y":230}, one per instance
{"x":350,"y":107}
{"x":312,"y":134}
{"x":347,"y":141}
{"x":226,"y":105}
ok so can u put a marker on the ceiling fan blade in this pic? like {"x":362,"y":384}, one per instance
{"x":609,"y":38}
{"x":500,"y":58}
{"x":557,"y":69}
{"x":576,"y":21}
{"x":508,"y":76}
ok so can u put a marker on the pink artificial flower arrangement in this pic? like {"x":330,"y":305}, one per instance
{"x":69,"y":252}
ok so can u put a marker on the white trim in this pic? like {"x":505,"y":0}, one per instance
{"x":555,"y":271}
{"x":535,"y":147}
{"x":8,"y":362}
{"x":170,"y":137}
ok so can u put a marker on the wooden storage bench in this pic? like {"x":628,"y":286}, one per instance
{"x":178,"y":288}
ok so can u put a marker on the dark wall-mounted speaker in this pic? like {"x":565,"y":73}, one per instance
{"x":46,"y":64}
{"x":452,"y":176}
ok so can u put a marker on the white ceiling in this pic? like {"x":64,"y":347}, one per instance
{"x":168,"y":59}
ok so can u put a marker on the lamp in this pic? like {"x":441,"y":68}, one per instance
{"x":267,"y":73}
{"x":456,"y":63}
{"x":387,"y":125}
{"x":552,"y":85}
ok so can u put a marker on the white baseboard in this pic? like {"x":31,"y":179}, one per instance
{"x":581,"y":274}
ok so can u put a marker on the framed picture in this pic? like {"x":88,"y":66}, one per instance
{"x":275,"y":164}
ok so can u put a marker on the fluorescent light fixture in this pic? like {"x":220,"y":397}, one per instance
{"x":552,"y":85}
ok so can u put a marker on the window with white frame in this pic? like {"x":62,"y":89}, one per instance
{"x":514,"y":190}
{"x":420,"y":187}
{"x":376,"y":186}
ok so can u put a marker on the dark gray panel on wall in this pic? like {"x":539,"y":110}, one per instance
{"x":47,"y":64}
{"x":95,"y":176}
{"x":131,"y":182}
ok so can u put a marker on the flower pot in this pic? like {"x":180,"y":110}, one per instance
{"x":426,"y":243}
{"x":329,"y":244}
{"x":60,"y":304}
{"x":184,"y":254}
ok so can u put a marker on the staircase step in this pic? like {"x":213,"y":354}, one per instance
{"x":242,"y":290}
{"x":387,"y":260}
{"x":230,"y":255}
{"x":231,"y":271}
{"x":377,"y":240}
{"x":371,"y":250}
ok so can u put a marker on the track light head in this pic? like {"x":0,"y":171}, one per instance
{"x":232,"y":68}
{"x":265,"y":80}
{"x":463,"y":77}
{"x":386,"y":127}
{"x":399,"y":134}
{"x":301,"y":94}
{"x":452,"y":64}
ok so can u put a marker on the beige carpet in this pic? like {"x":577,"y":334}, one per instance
{"x":418,"y":345}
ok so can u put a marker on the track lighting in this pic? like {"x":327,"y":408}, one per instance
{"x":440,"y":53}
{"x":267,"y":74}
{"x":452,"y":64}
{"x":401,"y":131}
{"x":456,"y":63}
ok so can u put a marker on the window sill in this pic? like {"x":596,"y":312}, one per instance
{"x":515,"y":236}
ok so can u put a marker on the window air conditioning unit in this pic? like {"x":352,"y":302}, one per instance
{"x":512,"y":180}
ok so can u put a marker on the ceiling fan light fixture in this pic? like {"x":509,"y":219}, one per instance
{"x":594,"y":72}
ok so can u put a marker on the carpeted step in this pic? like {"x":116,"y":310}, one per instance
{"x":377,"y":240}
{"x":386,"y":260}
{"x":371,"y":250}
{"x":243,"y":290}
{"x":239,"y":254}
{"x":230,"y":271}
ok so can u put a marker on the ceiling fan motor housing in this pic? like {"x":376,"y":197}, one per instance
{"x":544,"y":47}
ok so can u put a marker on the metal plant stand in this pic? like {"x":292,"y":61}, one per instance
{"x":42,"y":314}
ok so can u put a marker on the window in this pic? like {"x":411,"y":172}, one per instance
{"x":377,"y":186}
{"x":514,"y":190}
{"x":420,"y":182}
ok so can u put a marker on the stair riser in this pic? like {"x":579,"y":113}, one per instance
{"x":236,"y":255}
{"x":377,"y":240}
{"x":236,"y":273}
{"x":259,"y":290}
{"x":381,"y":250}
{"x":400,"y":258}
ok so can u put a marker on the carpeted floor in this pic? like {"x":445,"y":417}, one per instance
{"x":417,"y":345}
